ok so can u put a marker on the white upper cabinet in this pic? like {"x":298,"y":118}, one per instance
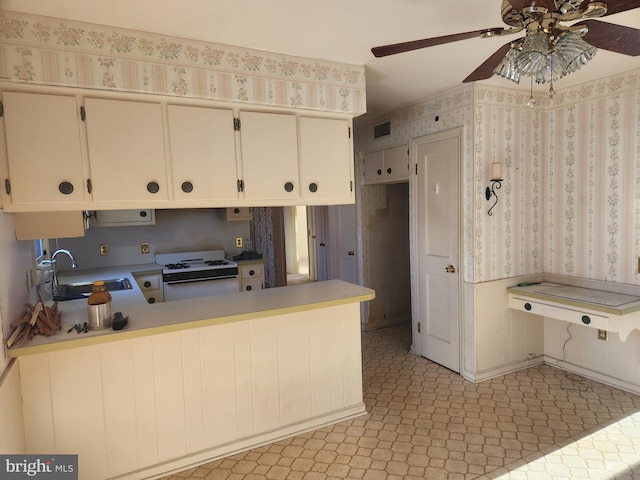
{"x":269,"y":146}
{"x":44,"y":152}
{"x":203,"y":153}
{"x":326,"y":165}
{"x":83,"y":150}
{"x":396,"y":164}
{"x":373,"y":167}
{"x":390,"y":165}
{"x":126,"y":152}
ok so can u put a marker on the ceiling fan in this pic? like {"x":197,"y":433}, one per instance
{"x":550,"y":49}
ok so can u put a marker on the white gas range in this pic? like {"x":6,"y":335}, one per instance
{"x":201,"y":273}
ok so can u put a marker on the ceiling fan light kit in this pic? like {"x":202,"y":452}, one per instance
{"x":544,"y":58}
{"x":550,"y":49}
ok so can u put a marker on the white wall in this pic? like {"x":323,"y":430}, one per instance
{"x":175,"y":230}
{"x":16,"y":258}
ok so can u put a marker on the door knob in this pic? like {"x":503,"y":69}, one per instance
{"x":450,"y":269}
{"x":351,"y":252}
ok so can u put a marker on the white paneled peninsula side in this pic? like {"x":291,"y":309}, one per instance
{"x":191,"y":381}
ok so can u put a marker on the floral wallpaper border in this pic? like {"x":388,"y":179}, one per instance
{"x":51,"y":51}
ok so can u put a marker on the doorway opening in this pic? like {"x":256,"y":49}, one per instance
{"x":296,"y":231}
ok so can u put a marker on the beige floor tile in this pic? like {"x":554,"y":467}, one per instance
{"x":425,"y":422}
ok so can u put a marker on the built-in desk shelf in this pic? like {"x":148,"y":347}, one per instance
{"x":605,"y":310}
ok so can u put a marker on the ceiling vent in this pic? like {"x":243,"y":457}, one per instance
{"x":382,"y":129}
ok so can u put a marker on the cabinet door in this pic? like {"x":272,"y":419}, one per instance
{"x":326,"y":164}
{"x":203,"y":153}
{"x":43,"y":150}
{"x":396,"y":164}
{"x":126,"y":151}
{"x":269,"y":145}
{"x":373,"y":163}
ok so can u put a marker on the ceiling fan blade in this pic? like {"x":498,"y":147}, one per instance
{"x":385,"y":50}
{"x":485,"y":70}
{"x":612,"y":37}
{"x":617,"y":6}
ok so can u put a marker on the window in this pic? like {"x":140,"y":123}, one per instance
{"x":38,"y":248}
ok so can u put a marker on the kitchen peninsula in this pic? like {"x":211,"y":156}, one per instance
{"x":194,"y":380}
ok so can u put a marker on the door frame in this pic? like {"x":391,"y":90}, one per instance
{"x":416,"y":344}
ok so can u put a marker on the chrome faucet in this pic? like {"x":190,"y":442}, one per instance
{"x":74,"y":264}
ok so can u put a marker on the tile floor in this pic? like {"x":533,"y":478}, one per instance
{"x":425,"y":422}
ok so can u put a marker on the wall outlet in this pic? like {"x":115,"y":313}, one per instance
{"x":144,"y":247}
{"x":239,"y":242}
{"x":104,"y":249}
{"x":603,"y":335}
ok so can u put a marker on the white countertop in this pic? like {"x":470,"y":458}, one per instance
{"x":150,"y":319}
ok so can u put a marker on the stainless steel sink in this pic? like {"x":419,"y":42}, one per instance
{"x":72,"y":291}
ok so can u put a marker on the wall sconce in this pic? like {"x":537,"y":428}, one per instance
{"x":496,"y":183}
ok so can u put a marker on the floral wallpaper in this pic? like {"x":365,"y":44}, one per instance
{"x":570,"y":200}
{"x":592,"y":190}
{"x":51,"y":51}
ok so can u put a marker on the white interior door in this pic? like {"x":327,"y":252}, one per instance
{"x":320,"y":238}
{"x":437,"y":253}
{"x":342,"y":221}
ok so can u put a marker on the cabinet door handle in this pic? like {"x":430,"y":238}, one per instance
{"x":248,"y":288}
{"x":450,"y":269}
{"x":152,"y":300}
{"x":153,"y":187}
{"x":147,"y":284}
{"x":7,"y":186}
{"x":65,"y":188}
{"x":379,"y":171}
{"x":252,"y":272}
{"x":313,"y":187}
{"x":187,"y":187}
{"x":89,"y":186}
{"x":389,"y":170}
{"x":288,"y":187}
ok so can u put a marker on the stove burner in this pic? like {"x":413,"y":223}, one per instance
{"x":176,"y":266}
{"x":216,"y":262}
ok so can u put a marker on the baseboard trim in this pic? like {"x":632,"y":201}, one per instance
{"x":490,"y":373}
{"x":592,"y":374}
{"x":242,"y":445}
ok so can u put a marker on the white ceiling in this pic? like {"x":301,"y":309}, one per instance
{"x":339,"y":30}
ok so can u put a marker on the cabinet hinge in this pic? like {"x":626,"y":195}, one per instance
{"x":349,"y":132}
{"x":7,"y":186}
{"x":240,"y":185}
{"x":236,"y":124}
{"x":418,"y":327}
{"x":89,"y":186}
{"x":1,"y":110}
{"x":351,"y":185}
{"x":83,"y":113}
{"x":416,"y":168}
